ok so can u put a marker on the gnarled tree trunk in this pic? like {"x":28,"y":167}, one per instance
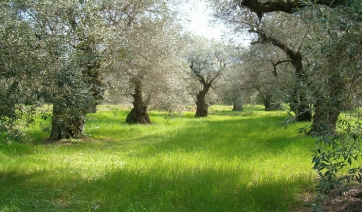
{"x":329,"y":101}
{"x":268,"y":103}
{"x":324,"y":119}
{"x":65,"y":123}
{"x":237,"y":102}
{"x":201,"y":105}
{"x":138,"y":114}
{"x":92,"y":77}
{"x":267,"y":100}
{"x":328,"y":106}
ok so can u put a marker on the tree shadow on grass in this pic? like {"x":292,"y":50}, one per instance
{"x":128,"y":189}
{"x":245,"y":139}
{"x":166,"y":187}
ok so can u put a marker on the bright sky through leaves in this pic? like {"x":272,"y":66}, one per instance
{"x":197,"y":20}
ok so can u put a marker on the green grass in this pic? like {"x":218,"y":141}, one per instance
{"x":229,"y":161}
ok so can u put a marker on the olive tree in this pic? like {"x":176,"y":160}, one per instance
{"x":69,"y":32}
{"x":325,"y":115}
{"x":72,"y":46}
{"x":63,"y":39}
{"x":272,"y":84}
{"x":335,"y":51}
{"x":231,"y":91}
{"x":207,"y":62}
{"x":274,"y":31}
{"x":147,"y":60}
{"x":285,"y":33}
{"x":341,"y":48}
{"x":21,"y":65}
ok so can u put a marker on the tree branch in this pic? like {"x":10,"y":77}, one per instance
{"x":275,"y":73}
{"x":287,"y":6}
{"x":295,"y":57}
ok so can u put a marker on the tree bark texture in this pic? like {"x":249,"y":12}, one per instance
{"x":237,"y":104}
{"x":65,"y":125}
{"x":329,"y":101}
{"x":201,"y":105}
{"x":206,"y":82}
{"x":92,"y":77}
{"x":267,"y":101}
{"x":237,"y":107}
{"x":138,"y":114}
{"x":328,"y":106}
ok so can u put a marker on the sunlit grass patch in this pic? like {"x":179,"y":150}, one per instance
{"x":219,"y":163}
{"x":248,"y":110}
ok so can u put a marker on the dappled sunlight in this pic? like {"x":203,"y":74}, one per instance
{"x":179,"y":164}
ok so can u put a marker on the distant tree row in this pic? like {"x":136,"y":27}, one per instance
{"x":314,"y":51}
{"x":75,"y":54}
{"x":66,"y":54}
{"x":312,"y":48}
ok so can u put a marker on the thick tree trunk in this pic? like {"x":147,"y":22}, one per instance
{"x":139,"y":112}
{"x":328,"y":106}
{"x":329,"y":101}
{"x":267,"y":100}
{"x":299,"y":106}
{"x":325,"y":118}
{"x":198,"y":69}
{"x":237,"y":107}
{"x":201,"y":105}
{"x":237,"y":103}
{"x":97,"y":91}
{"x":65,"y":125}
{"x":92,"y":77}
{"x":299,"y":103}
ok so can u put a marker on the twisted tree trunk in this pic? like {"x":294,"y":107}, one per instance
{"x":138,"y":114}
{"x":237,"y":103}
{"x":201,"y":105}
{"x":267,"y":101}
{"x":66,"y":124}
{"x":92,"y":77}
{"x":328,"y":106}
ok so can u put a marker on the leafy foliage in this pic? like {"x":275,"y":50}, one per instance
{"x":207,"y":63}
{"x":20,"y":65}
{"x":337,"y":153}
{"x":62,"y":53}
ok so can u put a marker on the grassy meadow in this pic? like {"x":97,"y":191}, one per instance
{"x":229,"y":161}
